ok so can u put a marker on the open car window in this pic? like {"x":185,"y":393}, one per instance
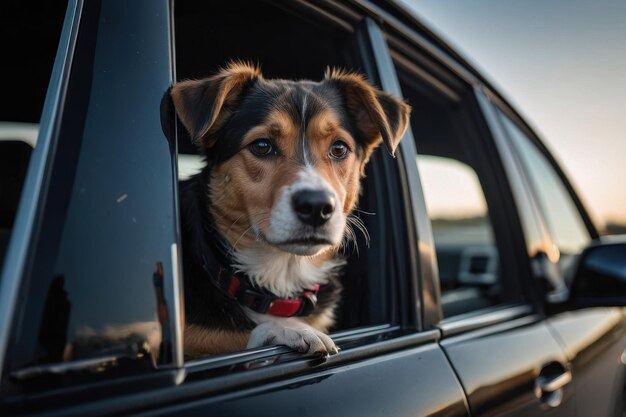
{"x":207,"y":36}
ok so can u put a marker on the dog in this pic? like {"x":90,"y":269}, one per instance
{"x":263,"y":223}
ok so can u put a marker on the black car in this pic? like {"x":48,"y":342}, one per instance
{"x":485,"y":289}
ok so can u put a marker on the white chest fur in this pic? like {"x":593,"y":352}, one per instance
{"x":284,"y":274}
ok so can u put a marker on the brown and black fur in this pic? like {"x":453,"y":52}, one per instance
{"x":236,"y":189}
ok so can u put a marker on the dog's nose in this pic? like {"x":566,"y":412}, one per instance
{"x":313,"y":207}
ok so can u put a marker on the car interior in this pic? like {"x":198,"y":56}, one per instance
{"x":29,"y":36}
{"x":14,"y":158}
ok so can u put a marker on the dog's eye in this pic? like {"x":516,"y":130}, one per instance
{"x":261,"y":147}
{"x":339,"y":150}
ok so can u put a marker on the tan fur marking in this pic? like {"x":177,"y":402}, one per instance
{"x":368,"y":105}
{"x":200,"y":341}
{"x":253,"y":186}
{"x":222,"y":90}
{"x":322,"y":322}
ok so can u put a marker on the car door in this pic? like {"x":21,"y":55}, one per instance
{"x":594,"y":338}
{"x":506,"y":358}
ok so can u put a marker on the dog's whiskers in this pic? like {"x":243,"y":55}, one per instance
{"x":358,"y":223}
{"x":349,"y":236}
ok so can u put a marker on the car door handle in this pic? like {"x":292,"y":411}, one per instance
{"x":550,"y":382}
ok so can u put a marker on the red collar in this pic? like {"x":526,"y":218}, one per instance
{"x":263,"y":301}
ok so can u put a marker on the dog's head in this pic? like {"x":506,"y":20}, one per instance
{"x":286,"y":157}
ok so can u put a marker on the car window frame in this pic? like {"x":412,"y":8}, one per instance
{"x":401,"y":302}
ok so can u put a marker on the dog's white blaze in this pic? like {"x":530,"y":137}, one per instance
{"x":284,"y":222}
{"x":285,"y":274}
{"x":307,"y":161}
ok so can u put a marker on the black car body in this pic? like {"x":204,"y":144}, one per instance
{"x":91,"y":315}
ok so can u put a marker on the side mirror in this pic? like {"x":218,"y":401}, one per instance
{"x":600,"y":278}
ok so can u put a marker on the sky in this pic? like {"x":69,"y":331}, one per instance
{"x":562,"y":65}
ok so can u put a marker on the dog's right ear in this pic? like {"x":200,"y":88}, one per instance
{"x":204,"y":105}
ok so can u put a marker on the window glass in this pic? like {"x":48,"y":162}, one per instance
{"x":564,"y":222}
{"x":99,"y":283}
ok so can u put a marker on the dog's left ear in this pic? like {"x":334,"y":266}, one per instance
{"x":204,"y":105}
{"x":376,"y":114}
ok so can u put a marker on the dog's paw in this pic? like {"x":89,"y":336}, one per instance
{"x":293,"y":334}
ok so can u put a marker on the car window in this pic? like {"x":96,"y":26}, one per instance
{"x":467,"y":255}
{"x":96,"y":292}
{"x":458,"y":214}
{"x":562,"y":217}
{"x":462,"y":197}
{"x":208,"y":36}
{"x":28,"y":39}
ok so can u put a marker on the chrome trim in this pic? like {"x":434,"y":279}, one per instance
{"x":24,"y":226}
{"x":428,"y":282}
{"x":488,"y":318}
{"x":179,"y":314}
